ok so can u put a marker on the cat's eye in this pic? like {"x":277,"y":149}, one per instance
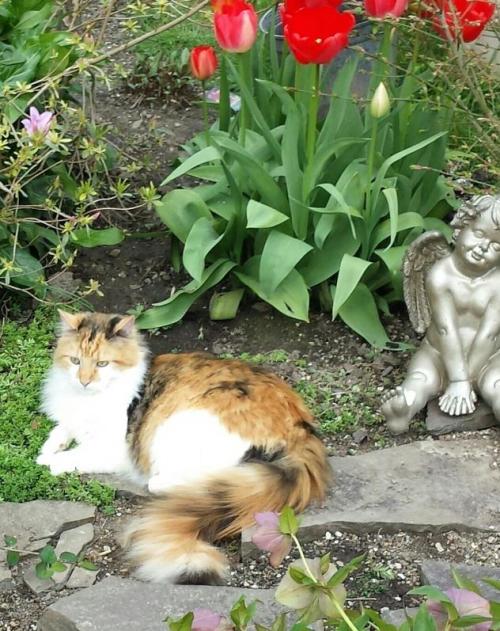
{"x":102,"y":364}
{"x":74,"y":360}
{"x":496,"y":246}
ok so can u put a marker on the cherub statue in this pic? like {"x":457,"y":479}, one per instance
{"x":453,"y":296}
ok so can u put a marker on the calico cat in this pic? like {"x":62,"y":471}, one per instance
{"x":216,"y":440}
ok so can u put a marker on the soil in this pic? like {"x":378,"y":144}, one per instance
{"x":339,"y":366}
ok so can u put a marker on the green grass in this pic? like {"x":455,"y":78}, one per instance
{"x":24,"y":360}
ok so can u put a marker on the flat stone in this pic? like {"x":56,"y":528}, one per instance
{"x":437,"y":422}
{"x":35,"y":584}
{"x":81,"y":578}
{"x":423,"y":486}
{"x":398,"y":616}
{"x":122,"y":485}
{"x":35,"y":523}
{"x":117,"y":604}
{"x":438,"y":573}
{"x":6,"y":582}
{"x":73,"y":540}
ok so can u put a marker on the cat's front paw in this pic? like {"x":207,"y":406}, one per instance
{"x":60,"y":463}
{"x":45,"y":459}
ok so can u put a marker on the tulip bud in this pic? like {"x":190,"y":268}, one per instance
{"x":380,"y":103}
{"x":203,"y":62}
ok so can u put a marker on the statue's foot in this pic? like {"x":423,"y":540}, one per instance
{"x":396,"y":409}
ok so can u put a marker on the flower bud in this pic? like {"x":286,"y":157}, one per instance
{"x":380,"y":103}
{"x":203,"y":62}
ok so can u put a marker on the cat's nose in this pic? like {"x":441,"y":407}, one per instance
{"x":85,"y":383}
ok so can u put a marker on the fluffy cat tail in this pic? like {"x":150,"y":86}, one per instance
{"x":172,"y":539}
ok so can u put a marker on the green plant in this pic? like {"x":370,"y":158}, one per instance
{"x":24,"y":360}
{"x":294,"y":206}
{"x":49,"y":562}
{"x":313,"y":592}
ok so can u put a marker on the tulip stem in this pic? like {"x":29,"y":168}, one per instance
{"x":246,"y":78}
{"x":205,"y":113}
{"x":313,"y":117}
{"x":371,"y":164}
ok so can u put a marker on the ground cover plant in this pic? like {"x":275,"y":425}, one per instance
{"x":24,"y":360}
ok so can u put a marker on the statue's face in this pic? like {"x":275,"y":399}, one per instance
{"x":479,"y":243}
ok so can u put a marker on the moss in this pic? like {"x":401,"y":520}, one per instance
{"x":24,"y":360}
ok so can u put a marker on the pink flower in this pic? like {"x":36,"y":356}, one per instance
{"x":268,"y":537}
{"x":37,"y":123}
{"x":466,"y":603}
{"x":205,"y":620}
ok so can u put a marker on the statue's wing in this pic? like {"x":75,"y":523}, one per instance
{"x":420,"y":256}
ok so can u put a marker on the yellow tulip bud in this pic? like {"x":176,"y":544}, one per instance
{"x":380,"y":103}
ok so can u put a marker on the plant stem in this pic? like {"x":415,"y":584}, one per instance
{"x":303,"y":558}
{"x":371,"y":164}
{"x":313,"y":117}
{"x":246,"y":78}
{"x":343,"y":614}
{"x":204,"y":106}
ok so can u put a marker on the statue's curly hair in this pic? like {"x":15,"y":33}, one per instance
{"x":472,"y":208}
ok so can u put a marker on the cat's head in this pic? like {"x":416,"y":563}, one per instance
{"x":96,"y":349}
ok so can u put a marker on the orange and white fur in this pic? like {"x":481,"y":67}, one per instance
{"x":215,"y":440}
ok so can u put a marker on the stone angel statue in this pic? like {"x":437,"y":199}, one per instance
{"x":453,"y":296}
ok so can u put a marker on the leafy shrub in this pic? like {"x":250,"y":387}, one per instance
{"x":281,"y":215}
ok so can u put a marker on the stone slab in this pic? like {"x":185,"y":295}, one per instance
{"x":437,"y":422}
{"x":34,"y":583}
{"x":423,"y":486}
{"x":81,"y":578}
{"x":117,"y":604}
{"x":73,"y":540}
{"x":34,"y":523}
{"x":438,"y":573}
{"x":398,"y":616}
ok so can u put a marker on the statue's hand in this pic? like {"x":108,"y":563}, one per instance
{"x":458,"y":398}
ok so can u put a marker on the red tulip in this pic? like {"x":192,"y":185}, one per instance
{"x":203,"y":62}
{"x":291,"y":6}
{"x":385,"y":8}
{"x":462,"y":19}
{"x":235,"y":25}
{"x":315,"y":34}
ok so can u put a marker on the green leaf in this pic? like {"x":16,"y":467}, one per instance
{"x":465,"y":583}
{"x":12,"y":558}
{"x":68,"y":557}
{"x":392,"y":201}
{"x":323,"y":262}
{"x":202,"y":238}
{"x":241,"y":613}
{"x":299,"y":576}
{"x":90,"y":238}
{"x":288,"y":523}
{"x":388,"y":162}
{"x":207,"y":154}
{"x":48,"y":555}
{"x":359,"y":312}
{"x":431,"y":592}
{"x":263,"y":216}
{"x":423,"y":620}
{"x":87,"y":565}
{"x":493,"y":582}
{"x":9,"y":541}
{"x":180,"y":209}
{"x":391,"y":227}
{"x":291,"y":297}
{"x":58,"y":566}
{"x":351,"y":270}
{"x":280,"y":255}
{"x":467,"y":621}
{"x":43,"y":571}
{"x":182,"y":624}
{"x":225,"y":306}
{"x":173,"y":309}
{"x":345,"y":571}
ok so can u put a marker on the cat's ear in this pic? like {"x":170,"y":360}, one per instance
{"x":125,"y":327}
{"x":69,"y":321}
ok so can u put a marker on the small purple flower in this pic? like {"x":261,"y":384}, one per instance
{"x":268,"y":537}
{"x":205,"y":620}
{"x":37,"y":123}
{"x":467,"y":603}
